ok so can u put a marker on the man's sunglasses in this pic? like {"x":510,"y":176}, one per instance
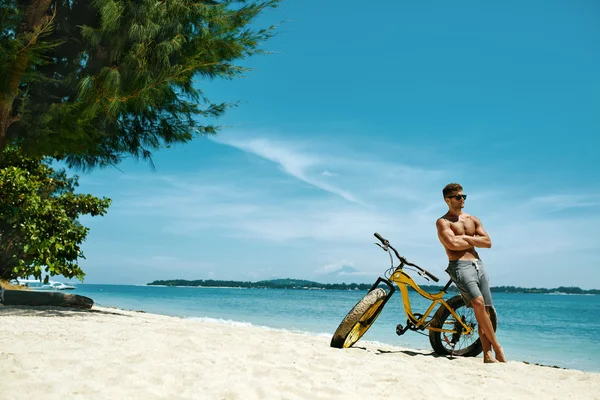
{"x":458,"y":197}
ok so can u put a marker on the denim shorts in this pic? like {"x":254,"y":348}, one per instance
{"x":470,"y":278}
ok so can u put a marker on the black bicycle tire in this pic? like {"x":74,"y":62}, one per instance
{"x":375,"y":298}
{"x":435,"y":338}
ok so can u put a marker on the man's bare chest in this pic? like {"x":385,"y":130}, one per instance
{"x":464,"y":226}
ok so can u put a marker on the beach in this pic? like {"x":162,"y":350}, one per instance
{"x":107,"y":353}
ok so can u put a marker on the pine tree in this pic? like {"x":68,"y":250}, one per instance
{"x":91,"y":82}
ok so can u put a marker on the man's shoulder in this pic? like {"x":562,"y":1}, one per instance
{"x":449,"y":218}
{"x":442,"y":221}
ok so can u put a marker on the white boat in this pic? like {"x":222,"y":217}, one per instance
{"x":34,"y":284}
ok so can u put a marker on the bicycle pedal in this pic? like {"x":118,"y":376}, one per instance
{"x":400,"y":330}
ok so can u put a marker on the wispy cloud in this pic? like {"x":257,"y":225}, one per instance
{"x":293,"y":162}
{"x":559,"y":202}
{"x":167,"y":262}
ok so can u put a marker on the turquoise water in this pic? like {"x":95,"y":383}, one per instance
{"x":547,"y":329}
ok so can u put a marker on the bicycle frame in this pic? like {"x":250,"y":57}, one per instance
{"x":403,"y":280}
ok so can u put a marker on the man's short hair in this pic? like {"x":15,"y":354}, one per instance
{"x":451,"y":187}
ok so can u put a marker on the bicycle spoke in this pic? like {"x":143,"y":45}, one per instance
{"x":456,"y":341}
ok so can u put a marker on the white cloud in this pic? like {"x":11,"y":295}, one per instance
{"x":291,"y":161}
{"x":336,"y":267}
{"x":559,"y":202}
{"x":343,"y":270}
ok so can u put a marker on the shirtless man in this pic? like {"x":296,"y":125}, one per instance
{"x":460,"y":233}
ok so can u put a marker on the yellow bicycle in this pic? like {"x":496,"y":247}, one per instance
{"x":452,"y":328}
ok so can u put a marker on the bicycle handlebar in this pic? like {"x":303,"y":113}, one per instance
{"x":386,"y":244}
{"x":383,"y":241}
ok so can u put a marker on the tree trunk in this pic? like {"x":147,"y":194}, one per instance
{"x":36,"y":16}
{"x":5,"y":115}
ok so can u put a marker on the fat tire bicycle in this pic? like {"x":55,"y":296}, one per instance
{"x":452,"y":328}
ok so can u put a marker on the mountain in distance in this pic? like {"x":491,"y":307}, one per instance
{"x":266,"y":284}
{"x":287,"y":282}
{"x":302,"y":284}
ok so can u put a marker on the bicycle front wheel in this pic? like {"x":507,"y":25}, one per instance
{"x":455,"y":342}
{"x":359,"y":319}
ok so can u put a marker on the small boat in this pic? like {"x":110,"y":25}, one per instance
{"x":34,"y":284}
{"x":45,"y":298}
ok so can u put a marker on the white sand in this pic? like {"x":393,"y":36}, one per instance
{"x":113,"y":354}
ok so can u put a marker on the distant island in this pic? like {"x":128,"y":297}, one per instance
{"x":300,"y":284}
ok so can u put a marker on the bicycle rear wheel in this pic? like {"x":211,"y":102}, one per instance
{"x":359,"y":319}
{"x":457,"y":343}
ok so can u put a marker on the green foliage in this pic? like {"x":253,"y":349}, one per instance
{"x":39,"y":228}
{"x":106,"y":79}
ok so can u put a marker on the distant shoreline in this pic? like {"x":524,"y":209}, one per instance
{"x":299,"y":284}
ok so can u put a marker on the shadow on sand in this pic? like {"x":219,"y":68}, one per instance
{"x":412,"y":353}
{"x":52,"y":311}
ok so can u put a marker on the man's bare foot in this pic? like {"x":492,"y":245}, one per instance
{"x":488,"y":357}
{"x":499,"y":354}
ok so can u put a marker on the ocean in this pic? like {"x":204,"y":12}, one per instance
{"x":552,"y":330}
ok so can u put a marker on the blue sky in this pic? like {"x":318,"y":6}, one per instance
{"x":353,"y":125}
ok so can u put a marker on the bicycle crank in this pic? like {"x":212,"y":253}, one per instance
{"x":401,"y":330}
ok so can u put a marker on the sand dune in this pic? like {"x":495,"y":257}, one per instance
{"x":113,"y":354}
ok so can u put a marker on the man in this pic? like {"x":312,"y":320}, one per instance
{"x":460,"y":233}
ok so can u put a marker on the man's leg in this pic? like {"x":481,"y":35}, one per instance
{"x":486,"y":328}
{"x":488,"y":356}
